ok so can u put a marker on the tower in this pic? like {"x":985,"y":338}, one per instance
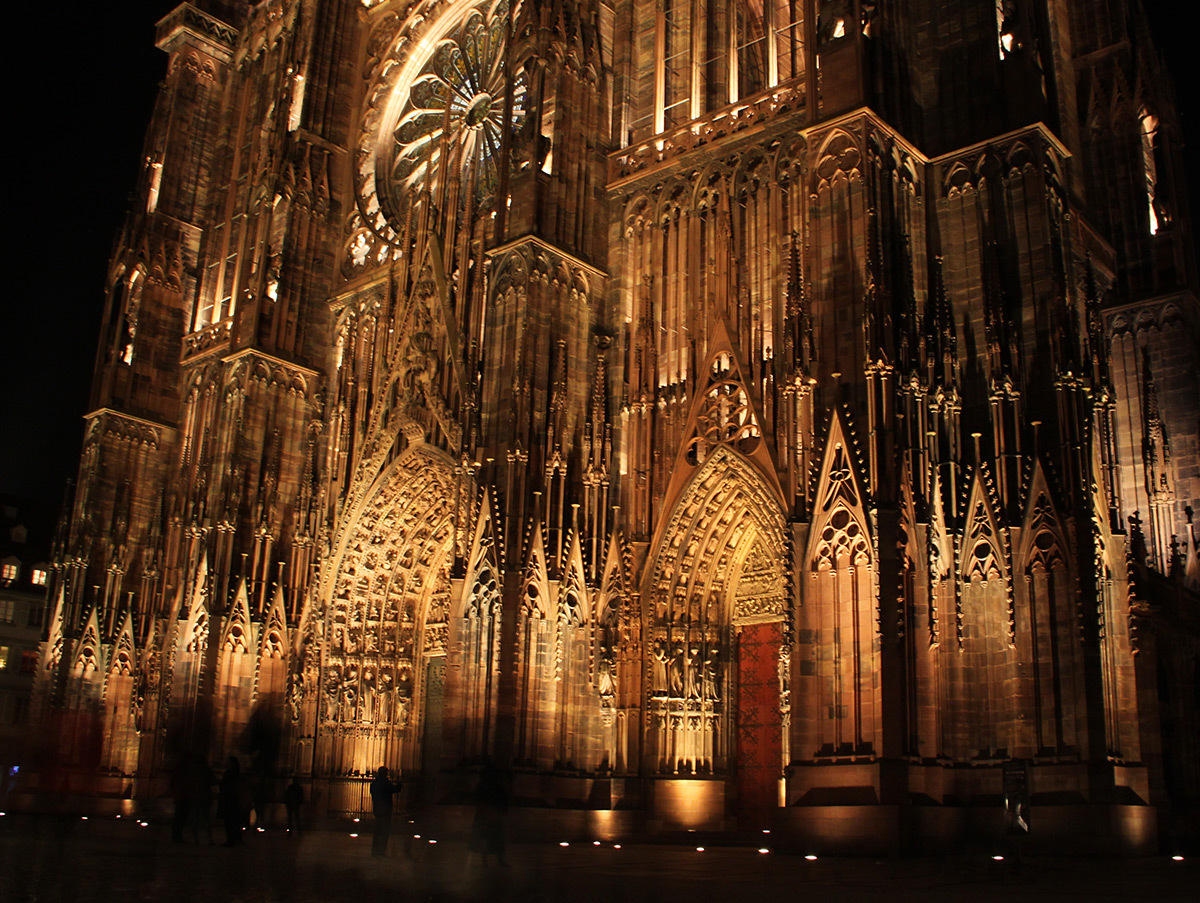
{"x":728,"y":409}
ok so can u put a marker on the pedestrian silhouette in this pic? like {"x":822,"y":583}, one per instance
{"x":491,"y":804}
{"x":293,"y":799}
{"x":233,"y":803}
{"x":382,"y":791}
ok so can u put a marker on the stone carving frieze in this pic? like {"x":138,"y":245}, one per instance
{"x":772,"y":113}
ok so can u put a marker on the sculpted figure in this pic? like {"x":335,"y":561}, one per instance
{"x":295,"y":696}
{"x":712,"y":675}
{"x":605,"y":677}
{"x":675,"y":672}
{"x":383,"y":696}
{"x":333,"y":683}
{"x":692,"y":672}
{"x":367,"y":689}
{"x":660,"y":666}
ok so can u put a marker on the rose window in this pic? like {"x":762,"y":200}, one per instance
{"x":448,"y":135}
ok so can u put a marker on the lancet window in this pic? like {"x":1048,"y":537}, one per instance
{"x":1148,"y":130}
{"x":711,"y":53}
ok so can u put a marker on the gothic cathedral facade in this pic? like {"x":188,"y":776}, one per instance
{"x":740,"y":411}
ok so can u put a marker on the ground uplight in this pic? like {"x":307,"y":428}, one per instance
{"x":998,"y":858}
{"x":563,"y":843}
{"x":811,"y":857}
{"x":763,"y":850}
{"x":699,"y":849}
{"x":353,"y":835}
{"x":1176,"y":857}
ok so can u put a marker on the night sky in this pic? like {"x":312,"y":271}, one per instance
{"x":83,"y":76}
{"x":83,"y":79}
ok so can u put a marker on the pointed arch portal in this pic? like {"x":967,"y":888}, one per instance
{"x":716,"y":634}
{"x":387,"y":621}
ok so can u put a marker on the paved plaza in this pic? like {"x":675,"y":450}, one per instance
{"x":62,"y":859}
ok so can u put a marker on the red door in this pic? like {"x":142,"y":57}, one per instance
{"x":759,"y":731}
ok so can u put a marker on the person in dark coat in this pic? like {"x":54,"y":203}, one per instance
{"x":293,"y":799}
{"x":491,"y":803}
{"x":231,"y":808}
{"x":382,"y":791}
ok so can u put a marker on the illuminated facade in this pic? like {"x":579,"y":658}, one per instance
{"x":738,"y":412}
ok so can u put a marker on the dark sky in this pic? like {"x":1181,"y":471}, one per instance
{"x":82,"y":82}
{"x":84,"y":78}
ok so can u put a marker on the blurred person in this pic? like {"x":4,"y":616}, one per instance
{"x":382,"y":791}
{"x":491,"y":804}
{"x":293,"y":799}
{"x":232,"y":803}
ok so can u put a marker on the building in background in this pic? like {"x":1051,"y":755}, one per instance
{"x":24,"y":574}
{"x":738,"y":414}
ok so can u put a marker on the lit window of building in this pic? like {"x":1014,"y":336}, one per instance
{"x":8,"y":572}
{"x":39,"y":577}
{"x":8,"y":608}
{"x":3,"y":658}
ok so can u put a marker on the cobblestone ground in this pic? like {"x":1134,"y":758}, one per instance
{"x":49,"y":860}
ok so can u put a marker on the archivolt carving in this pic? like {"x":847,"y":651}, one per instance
{"x":389,"y":593}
